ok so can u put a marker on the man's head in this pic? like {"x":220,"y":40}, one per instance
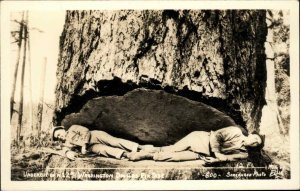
{"x":58,"y":133}
{"x":254,"y":140}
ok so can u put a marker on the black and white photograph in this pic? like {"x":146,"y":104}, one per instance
{"x":121,"y":95}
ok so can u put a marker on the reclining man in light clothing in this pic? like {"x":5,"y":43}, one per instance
{"x":226,"y":144}
{"x":96,"y":141}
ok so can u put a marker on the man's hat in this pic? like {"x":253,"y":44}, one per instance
{"x":55,"y":129}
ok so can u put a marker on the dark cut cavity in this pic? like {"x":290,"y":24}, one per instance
{"x":148,"y":116}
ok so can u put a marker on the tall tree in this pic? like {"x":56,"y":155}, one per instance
{"x":19,"y":40}
{"x":29,"y":76}
{"x":19,"y":127}
{"x":41,"y":101}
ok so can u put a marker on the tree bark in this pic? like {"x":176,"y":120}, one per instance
{"x":217,"y":56}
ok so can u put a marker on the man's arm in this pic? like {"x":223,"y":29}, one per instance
{"x":67,"y":144}
{"x":83,"y":149}
{"x":216,"y":138}
{"x":231,"y":157}
{"x":67,"y":152}
{"x":221,"y":156}
{"x":234,"y":157}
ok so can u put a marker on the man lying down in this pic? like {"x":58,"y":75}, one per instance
{"x":227,"y":144}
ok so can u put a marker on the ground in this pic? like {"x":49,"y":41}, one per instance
{"x":37,"y":165}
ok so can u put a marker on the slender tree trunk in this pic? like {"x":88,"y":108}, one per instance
{"x":22,"y":83}
{"x":40,"y":106}
{"x":17,"y":67}
{"x":30,"y":84}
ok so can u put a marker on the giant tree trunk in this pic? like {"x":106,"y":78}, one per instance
{"x":211,"y":56}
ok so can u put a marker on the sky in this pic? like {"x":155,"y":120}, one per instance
{"x":43,"y":45}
